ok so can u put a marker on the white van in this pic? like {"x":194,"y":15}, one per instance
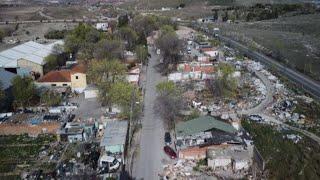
{"x":111,"y":162}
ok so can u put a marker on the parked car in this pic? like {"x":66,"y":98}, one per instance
{"x":255,"y":117}
{"x":170,"y":152}
{"x":167,"y":138}
{"x":110,"y":162}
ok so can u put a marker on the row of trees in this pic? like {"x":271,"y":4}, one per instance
{"x":109,"y":76}
{"x":106,"y":69}
{"x":90,"y":43}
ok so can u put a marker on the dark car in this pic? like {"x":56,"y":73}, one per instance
{"x":167,"y":138}
{"x":255,"y":117}
{"x":170,"y":152}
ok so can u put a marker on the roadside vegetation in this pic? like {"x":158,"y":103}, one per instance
{"x":284,"y":159}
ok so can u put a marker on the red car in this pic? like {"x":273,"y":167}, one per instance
{"x":170,"y":152}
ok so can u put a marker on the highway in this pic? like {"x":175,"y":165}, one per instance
{"x":305,"y":82}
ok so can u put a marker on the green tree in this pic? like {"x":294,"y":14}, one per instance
{"x":225,"y":85}
{"x":142,"y":53}
{"x":108,"y":49}
{"x":144,"y":25}
{"x":50,"y":98}
{"x":121,"y":94}
{"x":168,"y":102}
{"x":123,"y":20}
{"x":105,"y":70}
{"x":170,"y":47}
{"x":226,"y":69}
{"x":105,"y":74}
{"x":127,"y":34}
{"x":51,"y":62}
{"x":23,"y":90}
{"x":167,"y":29}
{"x":2,"y":35}
{"x":82,"y":34}
{"x":166,"y":88}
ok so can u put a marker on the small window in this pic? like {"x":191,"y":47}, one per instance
{"x":77,"y":77}
{"x":53,"y":85}
{"x":64,"y":84}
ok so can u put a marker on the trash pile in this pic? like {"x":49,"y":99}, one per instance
{"x":182,"y":169}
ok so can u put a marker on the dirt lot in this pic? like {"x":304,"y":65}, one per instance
{"x":27,"y":32}
{"x":17,"y":129}
{"x":70,"y":12}
{"x":19,"y":13}
{"x":40,"y":12}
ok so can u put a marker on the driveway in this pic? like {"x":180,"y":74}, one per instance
{"x":149,"y":161}
{"x":88,"y":108}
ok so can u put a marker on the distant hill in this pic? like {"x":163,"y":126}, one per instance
{"x":158,"y":4}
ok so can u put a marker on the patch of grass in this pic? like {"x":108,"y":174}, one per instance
{"x":19,"y":153}
{"x":19,"y":149}
{"x":284,"y":159}
{"x":194,"y":114}
{"x":311,"y":111}
{"x":25,"y":139}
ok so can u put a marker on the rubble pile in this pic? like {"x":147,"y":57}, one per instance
{"x":182,"y":169}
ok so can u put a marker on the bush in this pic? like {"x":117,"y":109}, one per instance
{"x":56,"y":34}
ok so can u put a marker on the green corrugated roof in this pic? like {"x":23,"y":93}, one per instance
{"x":202,"y":124}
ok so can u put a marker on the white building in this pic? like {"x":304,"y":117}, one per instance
{"x":102,"y":26}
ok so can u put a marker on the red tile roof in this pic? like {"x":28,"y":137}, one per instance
{"x":56,"y":76}
{"x":63,"y":75}
{"x":79,"y":68}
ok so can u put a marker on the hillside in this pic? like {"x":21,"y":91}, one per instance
{"x":292,"y":40}
{"x":158,"y":4}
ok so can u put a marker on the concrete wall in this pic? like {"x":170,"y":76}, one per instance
{"x":78,"y":81}
{"x":26,"y":64}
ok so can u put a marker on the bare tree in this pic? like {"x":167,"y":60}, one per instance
{"x":168,"y":103}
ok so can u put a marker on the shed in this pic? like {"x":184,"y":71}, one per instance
{"x":202,"y":124}
{"x":114,"y":137}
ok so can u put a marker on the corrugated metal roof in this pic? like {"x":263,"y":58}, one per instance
{"x":115,"y":133}
{"x":202,"y":124}
{"x":30,"y":50}
{"x":34,"y":58}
